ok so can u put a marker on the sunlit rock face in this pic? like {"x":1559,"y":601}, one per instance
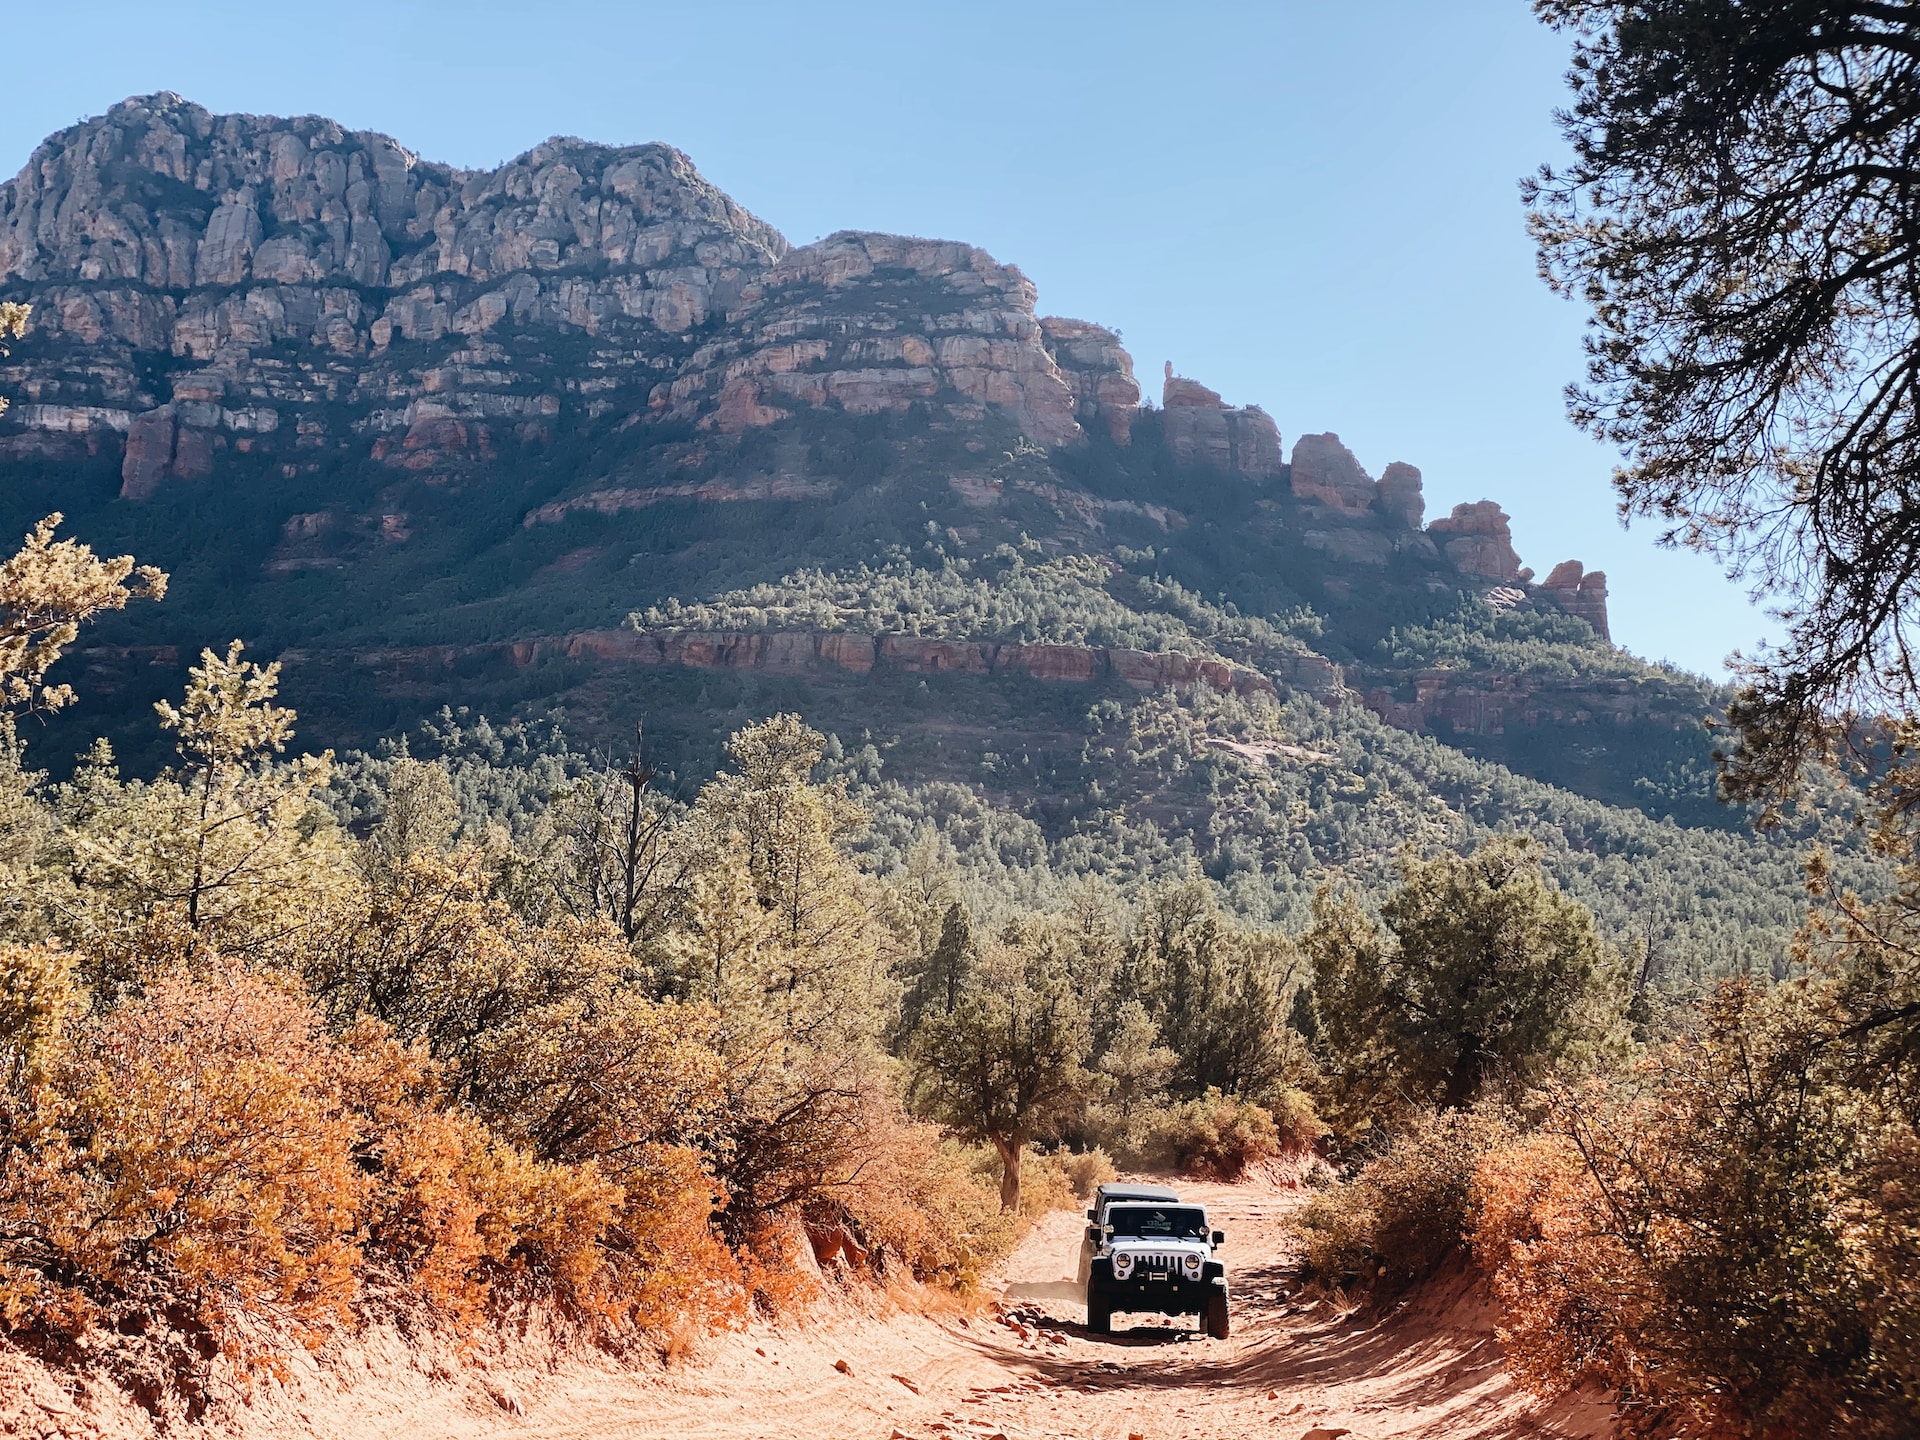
{"x":1580,"y":592}
{"x":870,"y":323}
{"x":1326,"y":473}
{"x":202,"y":281}
{"x":207,"y":287}
{"x":1478,"y":538}
{"x":1202,"y":429}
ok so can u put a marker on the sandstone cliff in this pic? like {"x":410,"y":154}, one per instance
{"x":1202,"y":429}
{"x":879,"y":322}
{"x":1580,"y":592}
{"x":209,"y":286}
{"x":201,"y":281}
{"x":1478,"y":538}
{"x":205,"y":282}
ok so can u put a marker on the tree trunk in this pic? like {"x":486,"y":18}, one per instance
{"x":1009,"y":1148}
{"x":1465,"y":1083}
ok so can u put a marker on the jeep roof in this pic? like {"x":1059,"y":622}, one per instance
{"x":1108,"y":1194}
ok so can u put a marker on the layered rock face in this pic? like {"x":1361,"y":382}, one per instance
{"x":1492,"y":704}
{"x":880,"y":322}
{"x":204,"y":282}
{"x":275,"y":269}
{"x":1580,"y":592}
{"x":1098,"y":372}
{"x":1478,"y":538}
{"x":1202,"y":429}
{"x":1400,"y":496}
{"x":1325,"y":472}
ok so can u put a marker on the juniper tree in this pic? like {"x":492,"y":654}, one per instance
{"x":1741,"y":216}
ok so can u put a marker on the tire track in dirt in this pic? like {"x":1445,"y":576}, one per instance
{"x":1431,"y":1367}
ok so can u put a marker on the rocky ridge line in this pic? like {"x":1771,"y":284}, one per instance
{"x":795,"y":652}
{"x":205,"y":283}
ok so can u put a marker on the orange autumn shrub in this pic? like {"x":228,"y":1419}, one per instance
{"x":454,"y":1217}
{"x":916,"y":1201}
{"x":1572,"y":1294}
{"x":204,"y":1169}
{"x":1218,"y":1137}
{"x":1727,"y":1240}
{"x":180,"y":1177}
{"x":1408,"y":1207}
{"x":205,"y":1145}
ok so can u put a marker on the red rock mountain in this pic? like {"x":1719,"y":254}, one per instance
{"x":227,"y":294}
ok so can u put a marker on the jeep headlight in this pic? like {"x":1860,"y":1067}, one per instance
{"x":1122,"y":1265}
{"x":1191,"y":1264}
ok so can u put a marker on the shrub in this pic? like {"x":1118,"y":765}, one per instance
{"x":207,"y":1164}
{"x":1063,"y":1179}
{"x":1217,"y":1137}
{"x":922,"y":1201}
{"x":1571,"y":1294}
{"x":187,"y":1161}
{"x":1088,"y":1170}
{"x":1485,"y":979}
{"x":1407,"y":1208}
{"x":1730,"y":1240}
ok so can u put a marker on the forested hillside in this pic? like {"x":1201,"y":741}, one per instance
{"x":622,"y":774}
{"x":579,"y":445}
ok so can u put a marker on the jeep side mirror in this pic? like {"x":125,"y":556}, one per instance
{"x":1219,"y":1237}
{"x":1093,"y":1233}
{"x":1093,"y":1214}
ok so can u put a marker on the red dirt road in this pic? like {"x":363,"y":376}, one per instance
{"x":1430,"y":1368}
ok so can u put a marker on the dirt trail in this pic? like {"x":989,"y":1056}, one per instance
{"x":1431,"y":1368}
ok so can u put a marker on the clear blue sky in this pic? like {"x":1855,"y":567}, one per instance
{"x":1308,"y":206}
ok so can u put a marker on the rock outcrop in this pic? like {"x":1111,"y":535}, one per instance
{"x":255,"y":281}
{"x":1478,"y":538}
{"x":878,"y":322}
{"x":1097,"y":370}
{"x":207,"y":287}
{"x":1400,"y":497}
{"x":1483,"y":703}
{"x":798,"y":651}
{"x":1326,"y":473}
{"x":233,"y":276}
{"x":1581,"y":593}
{"x":1202,"y":429}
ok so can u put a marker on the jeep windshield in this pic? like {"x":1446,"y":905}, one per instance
{"x":1158,"y":1222}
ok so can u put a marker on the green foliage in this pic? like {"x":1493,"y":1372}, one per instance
{"x":1010,"y":1056}
{"x":1219,"y":1137}
{"x":1409,"y":1208}
{"x":229,"y":853}
{"x":1487,"y":979}
{"x":935,"y":978}
{"x":1218,"y":994}
{"x":1527,"y":642}
{"x":1013,"y":594}
{"x":1737,"y":210}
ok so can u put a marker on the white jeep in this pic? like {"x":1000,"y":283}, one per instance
{"x":1154,"y":1255}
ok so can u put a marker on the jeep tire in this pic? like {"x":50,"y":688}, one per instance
{"x":1099,"y":1309}
{"x":1216,"y":1316}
